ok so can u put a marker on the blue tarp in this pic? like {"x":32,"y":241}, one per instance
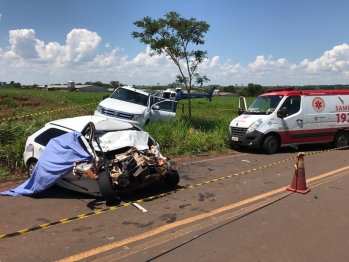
{"x":56,"y":160}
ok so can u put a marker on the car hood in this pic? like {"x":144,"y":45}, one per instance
{"x":121,"y":139}
{"x":245,"y":121}
{"x":122,"y":106}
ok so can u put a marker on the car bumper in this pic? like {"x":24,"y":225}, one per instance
{"x":139,"y":123}
{"x":252,"y":139}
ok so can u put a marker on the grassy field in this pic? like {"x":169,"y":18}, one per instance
{"x":209,"y":123}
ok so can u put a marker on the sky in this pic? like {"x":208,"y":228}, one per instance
{"x":267,"y":42}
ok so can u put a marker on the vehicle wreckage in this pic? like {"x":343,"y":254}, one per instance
{"x":124,"y":172}
{"x":93,"y":155}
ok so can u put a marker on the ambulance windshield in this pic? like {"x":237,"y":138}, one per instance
{"x":264,"y":105}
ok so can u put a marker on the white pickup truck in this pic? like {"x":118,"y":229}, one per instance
{"x":128,"y":104}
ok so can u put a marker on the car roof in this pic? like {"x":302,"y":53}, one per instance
{"x":307,"y":93}
{"x":101,"y":123}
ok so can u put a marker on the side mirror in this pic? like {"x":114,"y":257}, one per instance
{"x":155,"y":107}
{"x":282,"y":112}
{"x":241,"y":111}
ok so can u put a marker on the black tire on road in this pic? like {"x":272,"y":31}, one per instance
{"x":341,"y":139}
{"x":172,"y":178}
{"x":30,"y":166}
{"x":271,"y":145}
{"x":107,"y":189}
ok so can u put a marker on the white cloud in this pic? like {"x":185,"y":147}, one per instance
{"x":80,"y":46}
{"x":0,"y":16}
{"x":29,"y":60}
{"x":333,"y":61}
{"x":23,"y":43}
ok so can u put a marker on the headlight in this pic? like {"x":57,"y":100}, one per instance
{"x":254,"y":125}
{"x":137,"y":117}
{"x":99,"y":109}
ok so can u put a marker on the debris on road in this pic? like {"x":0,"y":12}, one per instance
{"x":140,"y":207}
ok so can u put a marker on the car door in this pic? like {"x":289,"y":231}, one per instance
{"x":163,"y":111}
{"x":292,"y":127}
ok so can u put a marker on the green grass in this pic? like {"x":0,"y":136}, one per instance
{"x":205,"y":132}
{"x":17,"y":102}
{"x":210,"y":121}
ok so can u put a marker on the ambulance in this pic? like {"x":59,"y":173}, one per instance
{"x":284,"y":117}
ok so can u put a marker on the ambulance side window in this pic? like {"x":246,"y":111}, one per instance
{"x":293,"y":104}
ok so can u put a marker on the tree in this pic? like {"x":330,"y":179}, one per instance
{"x":12,"y":82}
{"x":176,"y":36}
{"x":115,"y":84}
{"x":253,"y":90}
{"x":229,"y":89}
{"x":17,"y":85}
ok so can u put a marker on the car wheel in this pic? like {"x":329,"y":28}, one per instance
{"x":30,"y":166}
{"x":341,"y":139}
{"x":172,"y":178}
{"x":271,"y":145}
{"x":107,"y":189}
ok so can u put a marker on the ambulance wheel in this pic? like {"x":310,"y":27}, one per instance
{"x":271,"y":145}
{"x":107,"y":190}
{"x":341,"y":139}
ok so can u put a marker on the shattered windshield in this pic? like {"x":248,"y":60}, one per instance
{"x":264,"y":105}
{"x":130,"y":96}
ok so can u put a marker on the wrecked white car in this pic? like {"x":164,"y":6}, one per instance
{"x":109,"y":157}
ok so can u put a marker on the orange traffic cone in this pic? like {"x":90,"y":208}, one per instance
{"x":299,"y":184}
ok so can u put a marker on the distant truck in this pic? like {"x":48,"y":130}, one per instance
{"x":284,"y":117}
{"x":128,"y":104}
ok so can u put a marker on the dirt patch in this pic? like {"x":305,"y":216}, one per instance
{"x":31,"y":104}
{"x":21,"y":99}
{"x":4,"y":112}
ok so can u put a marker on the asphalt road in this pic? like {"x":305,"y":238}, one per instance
{"x":246,"y":216}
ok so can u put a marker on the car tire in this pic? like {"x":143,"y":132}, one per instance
{"x":341,"y":139}
{"x":172,"y":178}
{"x":30,"y":166}
{"x":271,"y":145}
{"x":107,"y":190}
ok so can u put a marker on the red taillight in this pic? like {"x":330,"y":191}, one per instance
{"x":25,"y":142}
